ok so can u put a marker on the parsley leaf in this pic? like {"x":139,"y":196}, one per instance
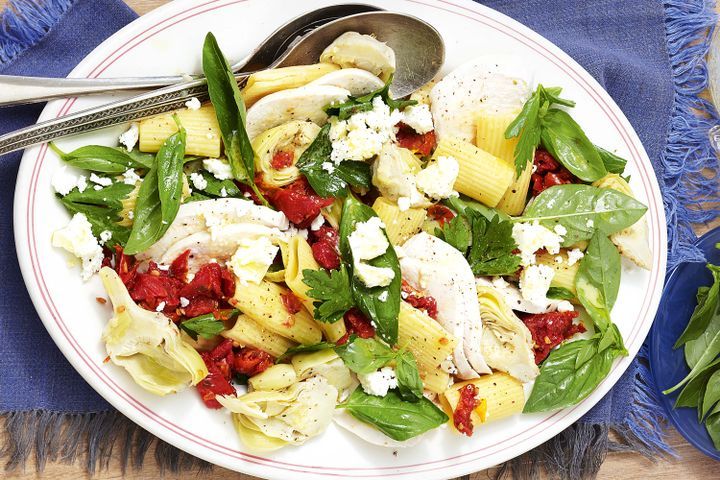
{"x":456,"y":232}
{"x":331,"y":183}
{"x":205,"y":326}
{"x":491,"y":252}
{"x":333,"y":291}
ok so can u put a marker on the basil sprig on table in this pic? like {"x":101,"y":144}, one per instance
{"x":333,"y":292}
{"x":540,"y":123}
{"x":98,"y":158}
{"x":380,"y":304}
{"x":583,"y":209}
{"x":158,"y":199}
{"x":396,"y":418}
{"x":101,"y":208}
{"x":573,"y":371}
{"x":230,"y":112}
{"x":332,"y":183}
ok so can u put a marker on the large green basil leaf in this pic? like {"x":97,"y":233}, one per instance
{"x":394,"y":417}
{"x":582,"y":209}
{"x":708,"y":303}
{"x":410,"y":385}
{"x":613,"y":163}
{"x":598,"y":279}
{"x":169,"y":161}
{"x":567,"y":142}
{"x":365,"y":355}
{"x":147,"y":216}
{"x":380,"y":304}
{"x":98,"y":158}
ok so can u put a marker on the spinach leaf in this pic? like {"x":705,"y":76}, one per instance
{"x":230,"y":112}
{"x":410,"y":385}
{"x":365,"y":355}
{"x":331,"y":183}
{"x":315,"y":347}
{"x":205,"y":326}
{"x":598,"y":279}
{"x":613,"y":163}
{"x":491,"y":252}
{"x":567,"y":143}
{"x":394,"y":417}
{"x":712,"y":424}
{"x":712,"y":394}
{"x":559,"y":293}
{"x":691,"y":395}
{"x":98,"y":158}
{"x":582,"y":209}
{"x":711,"y":350}
{"x":708,"y":302}
{"x":570,"y":374}
{"x":380,"y":304}
{"x":333,"y":292}
{"x":169,"y":162}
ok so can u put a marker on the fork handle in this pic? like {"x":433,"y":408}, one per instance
{"x":18,"y":90}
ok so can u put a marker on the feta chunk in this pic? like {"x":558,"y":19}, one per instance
{"x":184,"y":302}
{"x":193,"y":104}
{"x":105,"y":236}
{"x":317,"y":223}
{"x":130,"y":177}
{"x":198,"y":181}
{"x":383,"y":296}
{"x":565,"y":306}
{"x":160,"y":307}
{"x":438,"y":178}
{"x":77,"y":238}
{"x":252,"y":259}
{"x":104,"y":181}
{"x":378,"y":383}
{"x":368,"y":240}
{"x":373,"y":276}
{"x":63,"y":181}
{"x":404,"y":203}
{"x":531,"y":237}
{"x":535,"y":282}
{"x":129,"y":138}
{"x":574,"y":256}
{"x":218,"y":168}
{"x":419,"y":118}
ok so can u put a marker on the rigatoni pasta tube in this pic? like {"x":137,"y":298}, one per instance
{"x":270,"y":81}
{"x":515,"y":198}
{"x":503,"y":395}
{"x":298,"y":257}
{"x":399,"y":225}
{"x":247,"y":332}
{"x":276,"y":377}
{"x":203,"y":131}
{"x":263,"y":303}
{"x":430,"y":344}
{"x":482,"y":176}
{"x":564,"y":274}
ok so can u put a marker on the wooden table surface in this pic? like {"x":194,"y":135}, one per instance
{"x":690,"y":464}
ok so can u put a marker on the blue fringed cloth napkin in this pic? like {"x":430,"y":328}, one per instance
{"x":647,"y":54}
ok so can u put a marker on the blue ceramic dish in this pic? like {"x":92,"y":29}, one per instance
{"x":668,"y":366}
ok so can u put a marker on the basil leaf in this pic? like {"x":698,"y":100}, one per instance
{"x":110,"y":196}
{"x":598,"y":279}
{"x":704,"y":311}
{"x":333,"y":291}
{"x":461,"y":203}
{"x":692,"y":394}
{"x":491,"y":252}
{"x":365,"y":355}
{"x":147,"y":217}
{"x":380,"y":304}
{"x":169,"y":162}
{"x":215,"y":187}
{"x":230,"y":112}
{"x":582,"y":209}
{"x":335,"y":183}
{"x":394,"y":417}
{"x":355,"y":105}
{"x":567,"y":143}
{"x":205,"y":326}
{"x":98,"y":158}
{"x":142,"y":159}
{"x":570,"y":374}
{"x":410,"y":385}
{"x":316,"y":347}
{"x":613,"y":163}
{"x":559,"y":293}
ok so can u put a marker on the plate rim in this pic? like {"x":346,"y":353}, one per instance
{"x":625,"y":131}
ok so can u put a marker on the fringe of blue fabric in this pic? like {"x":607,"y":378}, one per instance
{"x":26,"y":22}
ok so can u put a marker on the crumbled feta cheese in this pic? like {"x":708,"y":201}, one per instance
{"x":131,"y":215}
{"x":531,"y":237}
{"x":198,"y":181}
{"x":219,"y":168}
{"x":368,"y":240}
{"x":162,"y":267}
{"x":383,"y":296}
{"x":373,"y":276}
{"x":104,"y":181}
{"x":560,"y":230}
{"x":404,"y":203}
{"x":160,"y":307}
{"x":565,"y":306}
{"x":193,"y":104}
{"x":534,"y":169}
{"x":448,"y":365}
{"x":418,"y":117}
{"x":130,"y":177}
{"x":574,"y":256}
{"x":63,"y":181}
{"x":535,"y":282}
{"x":82,"y":183}
{"x":105,"y":235}
{"x":378,"y":383}
{"x":317,"y":223}
{"x":589,"y":223}
{"x":252,"y":259}
{"x":184,"y":302}
{"x":130,"y":138}
{"x":438,"y":178}
{"x":328,"y":167}
{"x":97,"y":188}
{"x":77,"y":238}
{"x":399,"y":252}
{"x":223,"y":192}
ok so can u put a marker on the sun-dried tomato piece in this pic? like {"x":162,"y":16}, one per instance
{"x":324,"y":244}
{"x":440,"y":213}
{"x":548,"y":172}
{"x":550,"y":329}
{"x":220,"y":363}
{"x":422,"y":143}
{"x":282,"y":159}
{"x":291,"y":302}
{"x":419,"y":300}
{"x":214,"y":384}
{"x":358,"y":324}
{"x":299,"y":202}
{"x":179,"y":266}
{"x":466,"y":404}
{"x":251,"y":361}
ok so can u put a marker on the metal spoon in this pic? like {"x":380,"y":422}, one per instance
{"x":418,"y":46}
{"x":18,"y":90}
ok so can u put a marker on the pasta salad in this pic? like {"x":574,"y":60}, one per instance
{"x":309,"y":249}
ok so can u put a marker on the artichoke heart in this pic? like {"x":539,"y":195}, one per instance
{"x":353,"y":50}
{"x":148,"y":344}
{"x":507,"y":344}
{"x":290,"y":139}
{"x":631,"y":242}
{"x":394,"y":175}
{"x":267,"y":420}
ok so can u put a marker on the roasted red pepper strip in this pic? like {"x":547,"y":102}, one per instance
{"x":299,"y":202}
{"x":440,"y":213}
{"x":422,"y":143}
{"x":550,"y":329}
{"x":356,"y":323}
{"x":466,"y":404}
{"x":251,"y":361}
{"x":549,"y":172}
{"x":324,"y":244}
{"x":291,"y":302}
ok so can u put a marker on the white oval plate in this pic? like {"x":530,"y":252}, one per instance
{"x":168,"y":41}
